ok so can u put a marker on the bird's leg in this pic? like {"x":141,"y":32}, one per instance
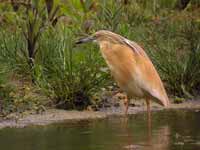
{"x":126,"y":104}
{"x":149,"y":120}
{"x":148,"y":109}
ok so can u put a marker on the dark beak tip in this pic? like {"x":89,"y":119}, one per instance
{"x":84,"y":40}
{"x":78,"y":42}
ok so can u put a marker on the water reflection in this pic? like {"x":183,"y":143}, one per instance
{"x":159,"y":140}
{"x":166,"y":131}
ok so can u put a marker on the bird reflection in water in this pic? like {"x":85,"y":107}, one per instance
{"x":155,"y":140}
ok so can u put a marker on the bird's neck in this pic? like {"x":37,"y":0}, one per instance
{"x":104,"y":45}
{"x":105,"y":48}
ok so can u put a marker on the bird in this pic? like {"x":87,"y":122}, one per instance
{"x":131,"y":68}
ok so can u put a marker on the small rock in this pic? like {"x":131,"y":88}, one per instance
{"x":178,"y":100}
{"x":120,"y":96}
{"x":177,"y":135}
{"x":197,"y":143}
{"x":89,"y":108}
{"x":116,"y":105}
{"x":132,"y":104}
{"x":179,"y":143}
{"x":95,"y":108}
{"x":107,"y":105}
{"x":133,"y":147}
{"x":100,"y":105}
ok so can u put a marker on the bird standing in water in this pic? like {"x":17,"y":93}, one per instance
{"x":131,"y":68}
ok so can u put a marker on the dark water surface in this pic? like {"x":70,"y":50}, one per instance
{"x":171,"y":130}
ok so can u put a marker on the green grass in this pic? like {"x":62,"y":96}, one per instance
{"x":13,"y":51}
{"x":69,"y":75}
{"x":176,"y":54}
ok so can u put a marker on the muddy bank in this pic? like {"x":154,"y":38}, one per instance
{"x":55,"y":115}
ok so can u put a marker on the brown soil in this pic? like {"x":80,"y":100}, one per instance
{"x":55,"y":115}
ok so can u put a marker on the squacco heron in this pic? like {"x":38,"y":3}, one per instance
{"x":131,"y":68}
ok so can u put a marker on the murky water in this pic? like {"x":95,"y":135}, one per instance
{"x":171,"y":130}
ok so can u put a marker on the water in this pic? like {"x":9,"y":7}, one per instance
{"x":171,"y":130}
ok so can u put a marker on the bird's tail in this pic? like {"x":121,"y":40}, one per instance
{"x":162,"y":100}
{"x":165,"y":100}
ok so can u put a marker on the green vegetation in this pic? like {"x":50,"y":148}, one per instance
{"x":69,"y":75}
{"x":41,"y":66}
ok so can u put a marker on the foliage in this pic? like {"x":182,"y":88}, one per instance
{"x":4,"y":88}
{"x":16,"y":97}
{"x":109,"y":15}
{"x":32,"y":18}
{"x":19,"y":100}
{"x":178,"y":58}
{"x":67,"y":74}
{"x":13,"y":51}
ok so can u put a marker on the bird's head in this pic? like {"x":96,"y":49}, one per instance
{"x":101,"y":36}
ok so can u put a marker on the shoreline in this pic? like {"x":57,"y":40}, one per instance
{"x":51,"y":116}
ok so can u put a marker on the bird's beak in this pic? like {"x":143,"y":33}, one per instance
{"x":85,"y":40}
